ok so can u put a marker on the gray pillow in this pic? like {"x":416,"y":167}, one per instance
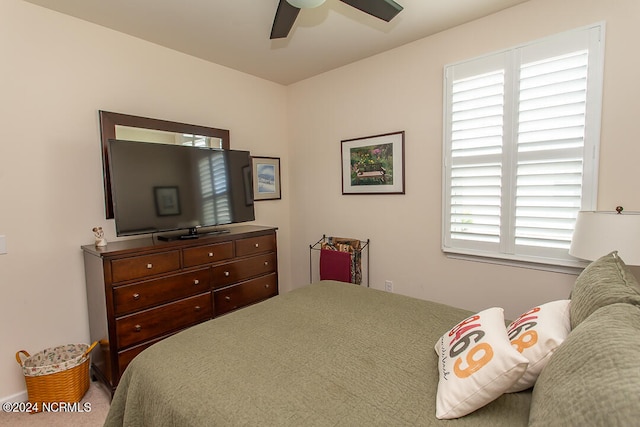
{"x":605,"y":281}
{"x":593,"y":378}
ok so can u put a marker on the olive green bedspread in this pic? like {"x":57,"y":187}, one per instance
{"x":327,"y":354}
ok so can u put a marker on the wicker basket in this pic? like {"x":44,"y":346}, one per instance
{"x":59,"y":374}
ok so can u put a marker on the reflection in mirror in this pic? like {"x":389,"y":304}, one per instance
{"x":144,"y":129}
{"x":130,"y":133}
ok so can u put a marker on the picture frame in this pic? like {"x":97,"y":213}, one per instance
{"x":373,"y":164}
{"x":266,"y":178}
{"x":167,"y":201}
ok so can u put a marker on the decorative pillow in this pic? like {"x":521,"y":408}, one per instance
{"x":477,"y":364}
{"x":605,"y":281}
{"x":536,"y":334}
{"x":593,"y":378}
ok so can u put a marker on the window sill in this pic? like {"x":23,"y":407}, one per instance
{"x":532,"y":263}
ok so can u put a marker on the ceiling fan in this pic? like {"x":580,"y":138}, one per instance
{"x":288,"y":10}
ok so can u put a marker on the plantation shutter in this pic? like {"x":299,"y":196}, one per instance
{"x":520,"y":147}
{"x":551,"y":130}
{"x":214,"y":185}
{"x":476,"y":157}
{"x":221,"y":190}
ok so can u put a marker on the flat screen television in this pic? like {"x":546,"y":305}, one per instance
{"x":161,"y":188}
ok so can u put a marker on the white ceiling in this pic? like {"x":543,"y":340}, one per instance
{"x":235,"y":33}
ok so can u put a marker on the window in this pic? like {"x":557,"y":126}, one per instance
{"x":521,"y":144}
{"x":193,"y":140}
{"x":214,"y":186}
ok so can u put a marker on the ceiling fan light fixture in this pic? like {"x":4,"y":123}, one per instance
{"x":305,"y":4}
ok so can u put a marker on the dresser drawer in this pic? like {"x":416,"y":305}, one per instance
{"x":138,"y":296}
{"x":236,"y":271}
{"x":207,"y":254}
{"x":139,"y":327}
{"x":255,"y":245}
{"x":145,"y":265}
{"x":245,"y":293}
{"x":125,"y":357}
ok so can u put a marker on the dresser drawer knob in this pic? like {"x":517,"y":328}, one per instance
{"x":226,"y":274}
{"x":266,"y":286}
{"x":137,"y":328}
{"x":227,"y":298}
{"x":257,"y":245}
{"x":196,"y":282}
{"x":149,"y":266}
{"x":266,"y":263}
{"x":136,"y":296}
{"x":210,"y":254}
{"x":197,"y":308}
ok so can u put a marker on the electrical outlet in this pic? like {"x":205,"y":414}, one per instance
{"x":3,"y":245}
{"x":388,"y":285}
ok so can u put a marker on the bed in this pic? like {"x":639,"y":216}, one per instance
{"x":336,"y":354}
{"x":326,"y":354}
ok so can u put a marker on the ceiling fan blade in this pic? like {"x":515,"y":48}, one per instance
{"x":383,"y":9}
{"x":285,"y":17}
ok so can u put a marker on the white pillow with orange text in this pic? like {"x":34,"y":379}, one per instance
{"x":536,"y":334}
{"x":477,"y":364}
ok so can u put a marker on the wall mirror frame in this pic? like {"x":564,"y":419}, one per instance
{"x":109,"y":121}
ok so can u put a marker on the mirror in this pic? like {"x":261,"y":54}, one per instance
{"x":144,"y":129}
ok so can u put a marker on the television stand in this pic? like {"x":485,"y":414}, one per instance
{"x":215,"y":232}
{"x":193,"y":234}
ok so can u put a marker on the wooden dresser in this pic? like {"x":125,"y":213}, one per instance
{"x":141,"y":291}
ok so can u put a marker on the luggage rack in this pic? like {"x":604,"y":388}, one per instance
{"x":333,"y":263}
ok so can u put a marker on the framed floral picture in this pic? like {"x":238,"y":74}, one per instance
{"x":373,"y":164}
{"x":266,"y":178}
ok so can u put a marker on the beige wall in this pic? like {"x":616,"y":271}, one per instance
{"x":402,"y":90}
{"x":56,"y":73}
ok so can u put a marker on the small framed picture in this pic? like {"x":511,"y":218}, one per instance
{"x":266,"y":178}
{"x":373,"y":164}
{"x":167,"y":201}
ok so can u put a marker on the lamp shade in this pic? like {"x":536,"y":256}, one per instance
{"x":305,"y":4}
{"x":598,"y":233}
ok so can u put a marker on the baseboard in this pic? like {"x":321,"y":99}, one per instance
{"x":18,"y":397}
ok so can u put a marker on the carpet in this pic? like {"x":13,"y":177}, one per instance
{"x":97,"y":396}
